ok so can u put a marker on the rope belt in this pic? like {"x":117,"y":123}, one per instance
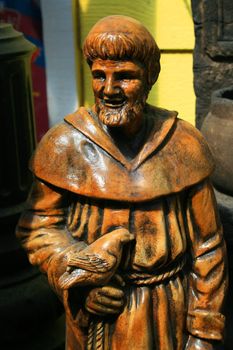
{"x":96,"y":332}
{"x":140,"y":278}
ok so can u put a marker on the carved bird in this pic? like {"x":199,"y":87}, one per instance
{"x":97,"y":263}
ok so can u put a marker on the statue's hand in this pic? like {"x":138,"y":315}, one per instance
{"x":200,"y":344}
{"x":97,"y":263}
{"x":105,"y":300}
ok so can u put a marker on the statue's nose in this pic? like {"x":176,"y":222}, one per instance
{"x":111,"y":87}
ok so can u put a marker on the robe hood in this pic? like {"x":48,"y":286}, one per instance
{"x":79,"y":156}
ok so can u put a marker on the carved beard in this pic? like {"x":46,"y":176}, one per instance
{"x":115,"y":117}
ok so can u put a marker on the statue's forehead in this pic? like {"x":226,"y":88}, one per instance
{"x":116,"y":64}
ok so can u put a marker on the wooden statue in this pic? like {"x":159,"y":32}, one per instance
{"x":122,"y":215}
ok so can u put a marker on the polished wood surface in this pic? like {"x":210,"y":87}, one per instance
{"x":122,"y":215}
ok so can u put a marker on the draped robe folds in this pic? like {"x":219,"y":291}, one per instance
{"x":84,"y":188}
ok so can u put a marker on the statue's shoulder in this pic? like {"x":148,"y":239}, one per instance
{"x":60,"y":136}
{"x":190,"y":137}
{"x":55,"y":145}
{"x":180,"y":136}
{"x":191,"y":147}
{"x":57,"y":137}
{"x":159,"y":113}
{"x":181,"y":133}
{"x":183,"y":146}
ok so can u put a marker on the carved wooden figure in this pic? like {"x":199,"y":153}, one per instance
{"x":122,"y":216}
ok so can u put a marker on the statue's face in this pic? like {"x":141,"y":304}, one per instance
{"x":119,"y":88}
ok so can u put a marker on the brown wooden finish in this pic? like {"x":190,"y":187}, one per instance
{"x":122,"y":215}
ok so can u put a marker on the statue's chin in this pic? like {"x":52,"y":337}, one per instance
{"x":118,"y":117}
{"x":114,"y":120}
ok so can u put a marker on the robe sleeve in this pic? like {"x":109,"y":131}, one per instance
{"x":43,"y":233}
{"x":208,"y":276}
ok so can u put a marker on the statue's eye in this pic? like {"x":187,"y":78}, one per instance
{"x":127,"y":75}
{"x":98,"y":75}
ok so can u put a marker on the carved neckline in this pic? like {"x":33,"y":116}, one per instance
{"x":162,"y":123}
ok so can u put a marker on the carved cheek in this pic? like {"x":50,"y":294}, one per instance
{"x":133,"y":89}
{"x":97,"y":87}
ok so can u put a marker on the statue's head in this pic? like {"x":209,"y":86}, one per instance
{"x":124,"y":60}
{"x":123,"y":38}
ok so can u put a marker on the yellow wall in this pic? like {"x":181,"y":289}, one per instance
{"x":170,"y":22}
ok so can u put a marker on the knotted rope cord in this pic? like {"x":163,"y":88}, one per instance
{"x":147,"y":279}
{"x":99,"y":345}
{"x":90,"y":337}
{"x":96,"y":342}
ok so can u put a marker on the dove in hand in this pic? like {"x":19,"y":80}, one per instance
{"x":97,"y":263}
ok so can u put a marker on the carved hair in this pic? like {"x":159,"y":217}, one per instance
{"x":123,"y":38}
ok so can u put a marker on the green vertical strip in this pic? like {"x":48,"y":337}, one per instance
{"x":76,"y":15}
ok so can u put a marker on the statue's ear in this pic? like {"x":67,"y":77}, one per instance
{"x":153,"y":73}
